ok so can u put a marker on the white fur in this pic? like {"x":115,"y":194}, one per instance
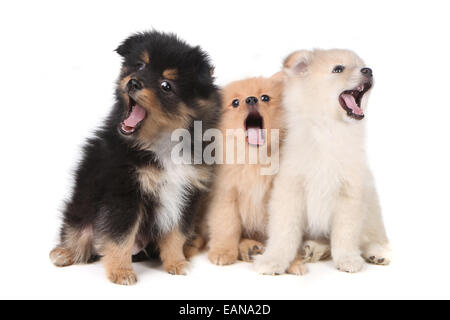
{"x":173,"y":194}
{"x":173,"y":187}
{"x":324,"y":187}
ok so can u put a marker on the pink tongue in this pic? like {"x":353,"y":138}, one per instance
{"x":255,"y":136}
{"x":351,"y":103}
{"x":137,"y":115}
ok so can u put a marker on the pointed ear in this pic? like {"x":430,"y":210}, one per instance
{"x":279,"y":76}
{"x":204,"y":68}
{"x":123,"y":49}
{"x":129,"y":44}
{"x":297,"y":62}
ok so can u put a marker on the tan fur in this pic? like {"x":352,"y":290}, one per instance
{"x":240,"y":193}
{"x":123,"y":85}
{"x":171,"y":74}
{"x":298,"y":267}
{"x":278,"y":76}
{"x":193,"y":247}
{"x":314,"y":251}
{"x":117,"y":258}
{"x":233,"y":118}
{"x":157,"y":120}
{"x":202,"y":175}
{"x":150,"y":178}
{"x":145,"y":57}
{"x":172,"y":255}
{"x":117,"y":261}
{"x":124,"y":81}
{"x":76,"y":247}
{"x":249,"y":248}
{"x":61,"y":257}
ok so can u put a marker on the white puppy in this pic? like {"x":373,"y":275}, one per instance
{"x":324,"y":188}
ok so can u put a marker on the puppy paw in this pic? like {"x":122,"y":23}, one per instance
{"x":223,"y":257}
{"x":313,"y":251}
{"x":193,"y":247}
{"x":269,"y":266}
{"x":177,"y":268}
{"x":250,"y":248}
{"x":61,"y":257}
{"x":377,"y":254}
{"x":349,"y":264}
{"x":124,"y":277}
{"x":297,"y":268}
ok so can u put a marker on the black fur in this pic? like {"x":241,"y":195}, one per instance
{"x":107,"y":194}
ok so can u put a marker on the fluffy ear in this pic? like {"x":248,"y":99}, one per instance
{"x":279,"y":76}
{"x":204,"y":69}
{"x":129,"y":44}
{"x":297,"y":62}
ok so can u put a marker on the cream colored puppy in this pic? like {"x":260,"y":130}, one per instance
{"x":325,"y":187}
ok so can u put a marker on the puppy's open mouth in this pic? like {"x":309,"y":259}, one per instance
{"x":350,"y":100}
{"x":135,"y":115}
{"x":254,"y":127}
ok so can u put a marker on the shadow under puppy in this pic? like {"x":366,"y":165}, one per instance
{"x":129,"y":196}
{"x":325,"y":188}
{"x":236,"y":219}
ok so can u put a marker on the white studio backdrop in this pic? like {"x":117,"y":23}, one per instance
{"x":58,"y":71}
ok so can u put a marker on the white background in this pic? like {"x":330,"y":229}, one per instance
{"x":58,"y":70}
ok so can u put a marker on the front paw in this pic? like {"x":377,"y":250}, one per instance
{"x":223,"y":257}
{"x":124,"y":277}
{"x":377,"y":254}
{"x":314,"y":251}
{"x":297,"y":268}
{"x":250,"y":248}
{"x":349,"y":264}
{"x":177,"y":268}
{"x":269,"y":266}
{"x":61,"y":257}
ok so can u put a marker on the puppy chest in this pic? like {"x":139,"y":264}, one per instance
{"x":252,"y":203}
{"x":171,"y":186}
{"x":322,"y":191}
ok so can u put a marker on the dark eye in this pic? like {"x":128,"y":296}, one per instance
{"x":166,"y":86}
{"x":140,"y":66}
{"x":235,"y":103}
{"x":265,"y":98}
{"x":338,"y":69}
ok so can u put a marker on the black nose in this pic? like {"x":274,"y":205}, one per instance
{"x":367,"y":72}
{"x":134,"y":85}
{"x":251,"y":101}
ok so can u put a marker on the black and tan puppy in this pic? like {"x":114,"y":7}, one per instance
{"x":129,"y":195}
